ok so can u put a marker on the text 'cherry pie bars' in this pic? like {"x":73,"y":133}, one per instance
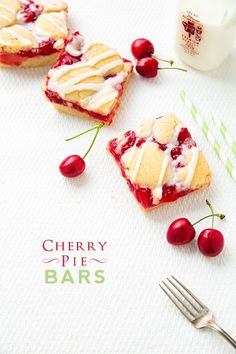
{"x":88,"y":80}
{"x":160,"y":161}
{"x":32,"y":32}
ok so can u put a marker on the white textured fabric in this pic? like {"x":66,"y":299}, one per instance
{"x":128,"y":314}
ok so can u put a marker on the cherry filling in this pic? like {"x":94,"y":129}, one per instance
{"x":45,"y":48}
{"x":129,"y":138}
{"x":65,"y":59}
{"x":144,"y":196}
{"x":175,"y":152}
{"x":55,"y":98}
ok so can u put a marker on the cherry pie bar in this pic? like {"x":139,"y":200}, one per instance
{"x":32,"y":32}
{"x":160,"y":161}
{"x":88,"y":80}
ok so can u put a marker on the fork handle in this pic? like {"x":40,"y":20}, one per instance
{"x":220,"y":330}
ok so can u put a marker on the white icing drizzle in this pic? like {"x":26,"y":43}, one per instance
{"x":104,"y":92}
{"x":100,"y":98}
{"x":74,"y":47}
{"x":5,"y":17}
{"x":56,"y":19}
{"x":138,"y":162}
{"x":17,"y":35}
{"x":191,"y":166}
{"x":157,"y":191}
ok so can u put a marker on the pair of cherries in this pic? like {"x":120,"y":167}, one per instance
{"x":74,"y":165}
{"x":210,"y":241}
{"x":148,"y":64}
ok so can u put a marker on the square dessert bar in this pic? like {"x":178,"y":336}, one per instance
{"x":32,"y":32}
{"x":88,"y":80}
{"x":160,"y":161}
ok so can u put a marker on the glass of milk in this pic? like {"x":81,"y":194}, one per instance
{"x":205,"y":32}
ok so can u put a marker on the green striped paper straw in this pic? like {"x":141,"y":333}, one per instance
{"x":208,"y":135}
{"x":225,"y":134}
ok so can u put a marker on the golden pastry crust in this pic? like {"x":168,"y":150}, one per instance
{"x":150,"y":167}
{"x":163,"y":129}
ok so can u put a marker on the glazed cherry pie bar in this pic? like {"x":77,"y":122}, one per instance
{"x":32,"y":32}
{"x":88,"y":79}
{"x":160,"y":161}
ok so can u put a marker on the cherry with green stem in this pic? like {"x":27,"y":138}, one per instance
{"x":143,"y":47}
{"x":182,"y":231}
{"x":211,"y":241}
{"x":149,"y":67}
{"x":74,"y":165}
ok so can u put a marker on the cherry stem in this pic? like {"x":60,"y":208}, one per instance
{"x":212,"y":210}
{"x":166,"y":68}
{"x":85,"y":132}
{"x":94,"y":138}
{"x":171,"y":62}
{"x":221,"y":216}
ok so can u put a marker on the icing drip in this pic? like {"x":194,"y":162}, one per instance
{"x":77,"y":45}
{"x":157,"y":191}
{"x":146,"y":129}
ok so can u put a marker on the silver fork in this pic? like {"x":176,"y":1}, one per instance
{"x":191,"y":307}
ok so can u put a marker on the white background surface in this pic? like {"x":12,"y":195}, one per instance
{"x":128,"y":314}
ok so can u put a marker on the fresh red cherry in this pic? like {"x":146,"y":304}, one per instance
{"x":72,"y":166}
{"x":141,"y":48}
{"x":180,"y":231}
{"x":147,"y":67}
{"x":210,"y":242}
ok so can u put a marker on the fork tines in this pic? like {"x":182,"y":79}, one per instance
{"x":190,"y":306}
